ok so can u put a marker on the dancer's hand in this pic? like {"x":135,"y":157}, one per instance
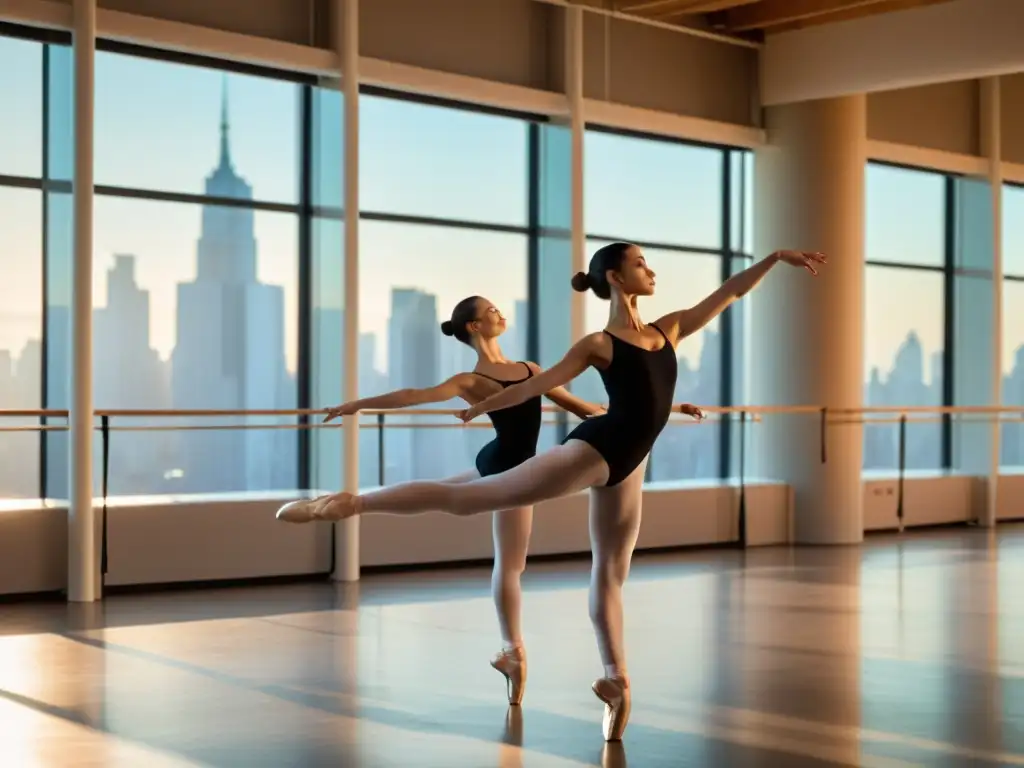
{"x":468,"y":414}
{"x":805,"y":259}
{"x":691,"y":410}
{"x":345,"y":409}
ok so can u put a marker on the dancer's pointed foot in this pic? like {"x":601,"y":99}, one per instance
{"x":614,"y":692}
{"x":301,"y":511}
{"x":511,"y":662}
{"x":339,"y":506}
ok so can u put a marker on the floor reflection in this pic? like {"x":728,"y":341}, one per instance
{"x":898,"y":653}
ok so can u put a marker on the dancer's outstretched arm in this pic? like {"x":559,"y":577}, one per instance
{"x":678,"y":325}
{"x":457,"y":386}
{"x":566,"y":400}
{"x":576,"y":361}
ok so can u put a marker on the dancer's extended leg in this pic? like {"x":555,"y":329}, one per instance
{"x":614,"y":525}
{"x":308,"y":510}
{"x":511,"y":541}
{"x":557,"y":472}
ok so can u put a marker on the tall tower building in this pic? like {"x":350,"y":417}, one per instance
{"x":230,"y":348}
{"x":413,"y":361}
{"x":127,"y":373}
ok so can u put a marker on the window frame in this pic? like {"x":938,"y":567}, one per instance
{"x":949,"y":272}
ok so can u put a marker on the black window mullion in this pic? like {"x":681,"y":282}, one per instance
{"x":949,"y":319}
{"x":44,"y":343}
{"x":725,"y":383}
{"x":533,"y":242}
{"x":303,"y":383}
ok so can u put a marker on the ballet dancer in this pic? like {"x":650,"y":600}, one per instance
{"x":606,"y":454}
{"x":476,"y":322}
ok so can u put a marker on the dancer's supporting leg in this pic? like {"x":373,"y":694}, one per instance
{"x":557,"y":472}
{"x":511,"y":532}
{"x":511,"y":529}
{"x":614,"y":526}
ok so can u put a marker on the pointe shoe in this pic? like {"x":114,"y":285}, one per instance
{"x":511,"y":662}
{"x":614,"y":692}
{"x":332,"y":507}
{"x":338,"y":506}
{"x":301,"y":511}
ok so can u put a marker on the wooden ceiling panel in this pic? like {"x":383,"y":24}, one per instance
{"x":753,"y":18}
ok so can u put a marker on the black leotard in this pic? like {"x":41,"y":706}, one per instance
{"x":517,"y":428}
{"x":640,"y":384}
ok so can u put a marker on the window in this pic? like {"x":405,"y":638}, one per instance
{"x":670,"y":196}
{"x":903,"y":344}
{"x":21,"y":326}
{"x":21,"y":254}
{"x":1012,"y":438}
{"x":195,"y":308}
{"x":652,"y":191}
{"x":906,"y":216}
{"x":455,"y":164}
{"x":457,"y":167}
{"x":195,"y":281}
{"x":21,"y":141}
{"x":323,"y":452}
{"x":905,"y":315}
{"x":180,"y":128}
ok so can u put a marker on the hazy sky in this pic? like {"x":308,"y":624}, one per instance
{"x":157,"y":128}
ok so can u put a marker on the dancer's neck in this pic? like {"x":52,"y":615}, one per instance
{"x":488,"y":351}
{"x":624,"y":314}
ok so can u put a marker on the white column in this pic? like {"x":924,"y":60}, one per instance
{"x":808,"y":333}
{"x":991,"y":144}
{"x":83,"y":586}
{"x":577,"y":123}
{"x":346,"y":532}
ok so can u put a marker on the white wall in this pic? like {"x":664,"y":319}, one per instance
{"x":188,"y":541}
{"x":207,"y":540}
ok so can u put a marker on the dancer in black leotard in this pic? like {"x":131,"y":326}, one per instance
{"x":477,"y":322}
{"x":607,"y":455}
{"x":640,"y":383}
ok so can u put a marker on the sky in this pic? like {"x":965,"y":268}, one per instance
{"x":157,"y":128}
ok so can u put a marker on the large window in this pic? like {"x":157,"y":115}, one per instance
{"x":196,"y":296}
{"x":445,"y":216}
{"x":219,"y":278}
{"x":684,"y":205}
{"x":21,"y":88}
{"x":1012,"y":444}
{"x":907,"y":283}
{"x":21,"y":258}
{"x":21,"y":326}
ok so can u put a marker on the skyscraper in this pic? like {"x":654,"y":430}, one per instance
{"x":413,"y":352}
{"x":230,"y":346}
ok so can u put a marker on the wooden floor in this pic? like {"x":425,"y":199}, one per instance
{"x":902,"y":652}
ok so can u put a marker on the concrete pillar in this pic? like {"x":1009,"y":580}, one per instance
{"x":808,"y":333}
{"x":83,"y":582}
{"x":346,"y":532}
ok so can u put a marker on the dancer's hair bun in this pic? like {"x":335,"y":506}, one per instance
{"x":447,"y":329}
{"x":580,"y":282}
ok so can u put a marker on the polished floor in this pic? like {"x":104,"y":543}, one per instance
{"x":906,"y":651}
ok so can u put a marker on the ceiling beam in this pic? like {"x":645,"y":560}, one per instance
{"x":677,"y":7}
{"x":774,"y":13}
